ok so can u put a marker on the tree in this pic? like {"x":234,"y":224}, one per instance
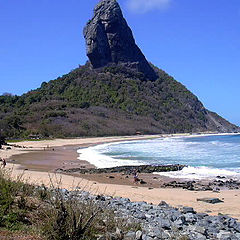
{"x":2,"y":139}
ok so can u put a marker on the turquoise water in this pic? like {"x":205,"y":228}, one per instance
{"x":206,"y":156}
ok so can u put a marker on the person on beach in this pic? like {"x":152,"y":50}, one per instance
{"x":135,"y":176}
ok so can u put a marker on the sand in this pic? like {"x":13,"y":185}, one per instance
{"x":40,"y":171}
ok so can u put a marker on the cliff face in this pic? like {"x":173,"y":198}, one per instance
{"x":110,"y":40}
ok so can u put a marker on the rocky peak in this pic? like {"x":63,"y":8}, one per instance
{"x":109,"y":39}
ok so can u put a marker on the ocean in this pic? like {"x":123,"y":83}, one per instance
{"x":205,"y":156}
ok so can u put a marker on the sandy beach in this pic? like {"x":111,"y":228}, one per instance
{"x":38,"y":161}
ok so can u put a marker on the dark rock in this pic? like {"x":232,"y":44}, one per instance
{"x":128,"y":169}
{"x":188,"y":210}
{"x":237,"y":227}
{"x":110,"y":40}
{"x":101,"y":198}
{"x":142,"y":182}
{"x":110,"y":177}
{"x":163,"y":204}
{"x":221,"y":177}
{"x":210,"y":200}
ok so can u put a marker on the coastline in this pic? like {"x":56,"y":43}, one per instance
{"x":102,"y":184}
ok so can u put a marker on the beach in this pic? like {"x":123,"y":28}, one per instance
{"x":39,"y":161}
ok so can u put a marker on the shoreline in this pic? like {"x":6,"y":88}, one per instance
{"x":104,"y":183}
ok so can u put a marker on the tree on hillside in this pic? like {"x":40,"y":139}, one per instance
{"x":2,"y":140}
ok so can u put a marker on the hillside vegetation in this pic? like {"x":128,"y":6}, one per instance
{"x":114,"y":100}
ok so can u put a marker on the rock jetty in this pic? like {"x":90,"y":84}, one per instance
{"x":126,"y":169}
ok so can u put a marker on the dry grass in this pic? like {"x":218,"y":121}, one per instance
{"x":27,"y":211}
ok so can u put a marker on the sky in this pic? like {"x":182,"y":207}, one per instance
{"x":195,"y":41}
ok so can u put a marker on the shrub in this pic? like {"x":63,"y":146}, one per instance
{"x":52,"y":213}
{"x":13,"y":201}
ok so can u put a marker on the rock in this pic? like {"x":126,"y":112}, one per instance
{"x":100,"y":197}
{"x":232,"y":223}
{"x":160,"y":222}
{"x":237,"y":235}
{"x":139,"y":235}
{"x":198,"y":229}
{"x":189,"y":217}
{"x":141,"y":216}
{"x":188,"y":210}
{"x":128,"y":169}
{"x":110,"y":177}
{"x":210,"y":200}
{"x":221,"y":177}
{"x":179,"y":223}
{"x":165,"y":224}
{"x":155,"y":232}
{"x":197,"y":236}
{"x":148,"y":216}
{"x":142,"y":182}
{"x":163,"y":204}
{"x":130,"y":236}
{"x":223,"y":235}
{"x":145,"y":237}
{"x":109,"y":39}
{"x":119,"y":233}
{"x":201,"y":215}
{"x":237,"y":227}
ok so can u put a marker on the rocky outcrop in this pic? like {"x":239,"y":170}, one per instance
{"x":110,"y":40}
{"x":126,"y":169}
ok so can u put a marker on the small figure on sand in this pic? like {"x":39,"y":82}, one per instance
{"x":135,"y":176}
{"x":4,"y":163}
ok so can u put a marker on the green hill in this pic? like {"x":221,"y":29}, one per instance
{"x":114,"y":100}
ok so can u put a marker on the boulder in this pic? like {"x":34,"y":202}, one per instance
{"x":210,"y":200}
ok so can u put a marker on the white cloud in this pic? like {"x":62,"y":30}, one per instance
{"x":142,"y":6}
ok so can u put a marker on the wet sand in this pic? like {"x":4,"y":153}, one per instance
{"x":51,"y":159}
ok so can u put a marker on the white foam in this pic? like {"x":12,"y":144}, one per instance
{"x":200,"y":173}
{"x":94,"y":156}
{"x":223,"y":156}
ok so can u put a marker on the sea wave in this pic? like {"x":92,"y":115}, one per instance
{"x":95,"y":156}
{"x":208,"y":157}
{"x":200,"y":173}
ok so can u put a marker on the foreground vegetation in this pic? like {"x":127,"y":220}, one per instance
{"x":114,"y":100}
{"x":46,"y":213}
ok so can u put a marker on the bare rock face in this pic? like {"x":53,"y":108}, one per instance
{"x":110,"y":40}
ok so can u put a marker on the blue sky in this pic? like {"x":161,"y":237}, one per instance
{"x":196,"y":41}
